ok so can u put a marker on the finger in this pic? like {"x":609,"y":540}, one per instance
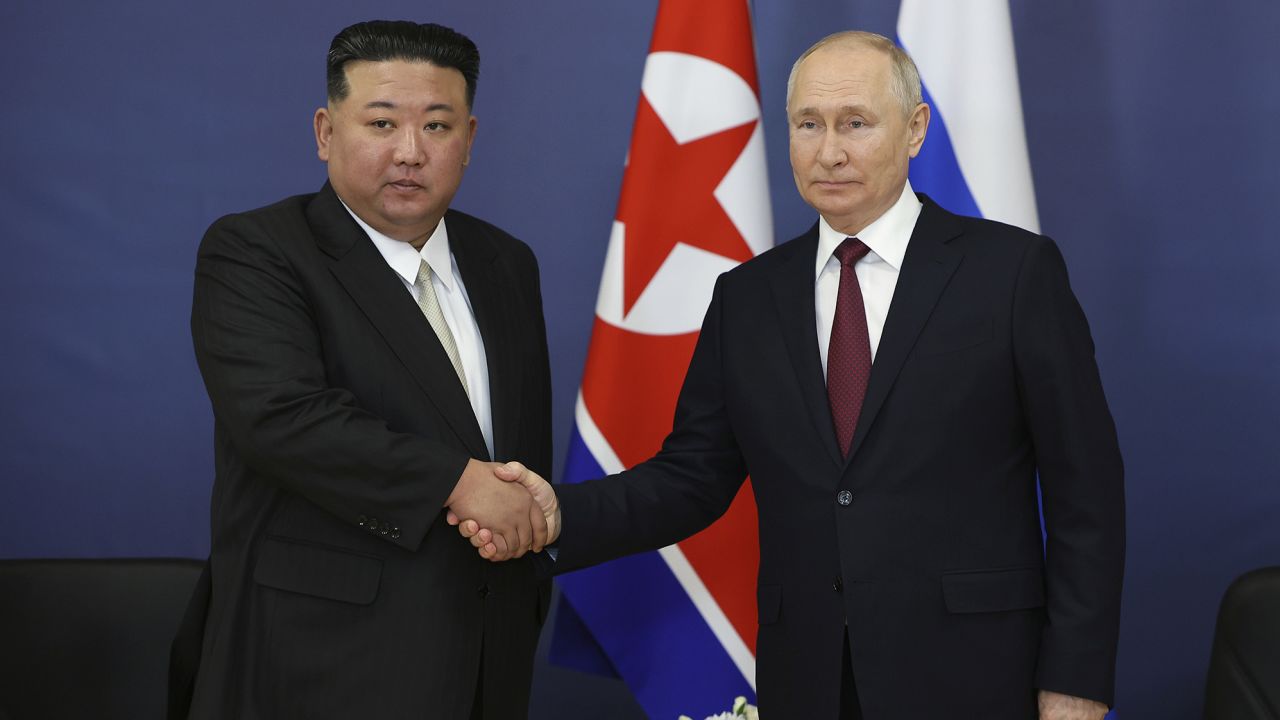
{"x":482,"y":536}
{"x":490,"y":552}
{"x":451,"y":518}
{"x":540,"y":529}
{"x":524,"y":536}
{"x":553,"y":526}
{"x":468,"y":528}
{"x":502,"y":547}
{"x":511,"y":472}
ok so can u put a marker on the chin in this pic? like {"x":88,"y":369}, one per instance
{"x":837,"y":210}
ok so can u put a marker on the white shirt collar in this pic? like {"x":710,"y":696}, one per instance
{"x":887,"y":236}
{"x":405,"y":258}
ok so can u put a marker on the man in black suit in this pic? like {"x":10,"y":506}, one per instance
{"x":349,"y":343}
{"x":892,"y":380}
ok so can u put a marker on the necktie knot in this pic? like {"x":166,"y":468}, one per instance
{"x":424,"y":274}
{"x":851,"y":251}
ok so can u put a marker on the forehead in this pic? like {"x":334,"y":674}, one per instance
{"x":842,"y":72}
{"x":377,"y":77}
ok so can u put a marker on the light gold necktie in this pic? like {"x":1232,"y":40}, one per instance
{"x":430,"y":306}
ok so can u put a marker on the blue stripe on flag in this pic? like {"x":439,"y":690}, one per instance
{"x":645,"y":622}
{"x":574,"y":647}
{"x":936,"y":172}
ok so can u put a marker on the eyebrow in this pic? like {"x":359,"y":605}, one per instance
{"x":844,"y":109}
{"x":388,"y":105}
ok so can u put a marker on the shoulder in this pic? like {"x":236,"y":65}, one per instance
{"x":800,"y":251}
{"x":268,"y":230}
{"x":1005,"y":256}
{"x":466,"y":228}
{"x":288,"y":213}
{"x":974,"y":233}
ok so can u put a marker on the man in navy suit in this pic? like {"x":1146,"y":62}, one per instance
{"x":894,"y":381}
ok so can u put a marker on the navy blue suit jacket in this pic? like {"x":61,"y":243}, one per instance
{"x":984,"y":377}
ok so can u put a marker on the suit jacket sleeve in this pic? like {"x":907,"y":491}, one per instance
{"x":261,"y":355}
{"x":681,"y":490}
{"x":1081,"y":479}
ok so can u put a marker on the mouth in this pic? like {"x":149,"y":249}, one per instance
{"x":405,"y":185}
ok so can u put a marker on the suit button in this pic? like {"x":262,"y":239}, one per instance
{"x":395,"y":533}
{"x":838,"y":585}
{"x":844,"y":497}
{"x":384,"y":528}
{"x":483,"y":591}
{"x":362,"y":520}
{"x":373,"y":524}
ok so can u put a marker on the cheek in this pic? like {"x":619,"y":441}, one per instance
{"x":455,"y":151}
{"x":877,"y":156}
{"x":372,"y":158}
{"x":802,"y":152}
{"x":358,"y":160}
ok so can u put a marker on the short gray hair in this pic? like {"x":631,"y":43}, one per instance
{"x":904,"y":79}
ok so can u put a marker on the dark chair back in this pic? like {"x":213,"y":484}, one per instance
{"x":89,"y":638}
{"x":1244,"y":669}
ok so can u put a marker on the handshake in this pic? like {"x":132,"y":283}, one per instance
{"x":505,"y":510}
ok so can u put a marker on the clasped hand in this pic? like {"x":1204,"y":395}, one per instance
{"x":505,"y":510}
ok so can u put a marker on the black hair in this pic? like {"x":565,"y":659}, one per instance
{"x":381,"y":40}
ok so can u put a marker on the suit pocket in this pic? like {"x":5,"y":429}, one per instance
{"x":319,"y":571}
{"x":993,"y":590}
{"x":950,"y":338}
{"x":769,"y":599}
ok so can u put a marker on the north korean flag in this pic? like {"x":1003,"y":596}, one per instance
{"x":678,"y":625}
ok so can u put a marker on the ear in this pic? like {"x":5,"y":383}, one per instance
{"x":917,"y":127}
{"x":471,"y":137}
{"x":324,"y":131}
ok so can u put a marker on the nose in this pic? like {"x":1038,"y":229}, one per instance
{"x":409,"y":148}
{"x":831,"y":153}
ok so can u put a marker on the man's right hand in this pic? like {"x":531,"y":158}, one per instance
{"x":515,"y":521}
{"x":492,"y":545}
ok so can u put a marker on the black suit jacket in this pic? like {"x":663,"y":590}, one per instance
{"x":338,"y":590}
{"x":984,"y":375}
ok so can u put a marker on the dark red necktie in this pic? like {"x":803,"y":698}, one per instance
{"x":849,"y":354}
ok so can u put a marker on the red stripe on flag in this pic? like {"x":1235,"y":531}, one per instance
{"x":630,"y":387}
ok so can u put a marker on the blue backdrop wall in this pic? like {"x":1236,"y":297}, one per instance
{"x":126,"y":128}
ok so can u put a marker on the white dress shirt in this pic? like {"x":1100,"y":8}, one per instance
{"x":404,"y":259}
{"x":877,"y":271}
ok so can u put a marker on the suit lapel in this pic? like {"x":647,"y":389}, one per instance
{"x":492,"y":303}
{"x":794,"y":295}
{"x":380,"y":295}
{"x":926,"y":269}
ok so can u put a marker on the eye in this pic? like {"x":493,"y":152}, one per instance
{"x":808,"y":124}
{"x":381,"y":123}
{"x":435,"y":127}
{"x":856,"y":124}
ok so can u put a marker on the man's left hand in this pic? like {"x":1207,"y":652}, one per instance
{"x":1056,"y":706}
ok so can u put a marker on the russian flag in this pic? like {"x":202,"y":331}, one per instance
{"x":678,"y":625}
{"x":974,"y":161}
